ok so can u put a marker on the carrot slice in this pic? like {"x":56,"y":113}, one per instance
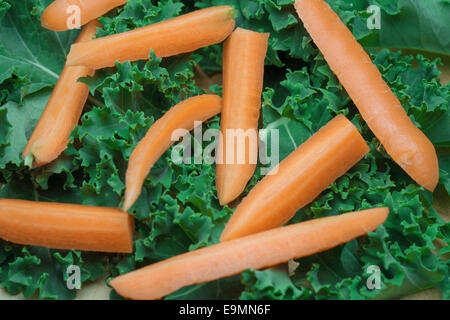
{"x":63,"y":110}
{"x":301,"y":177}
{"x":66,"y":226}
{"x":158,"y":139}
{"x":243,"y":72}
{"x":60,"y":14}
{"x":182,"y":34}
{"x":256,"y":251}
{"x":376,"y":102}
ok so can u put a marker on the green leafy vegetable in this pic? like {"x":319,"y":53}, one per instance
{"x":29,"y":54}
{"x":178,"y":210}
{"x":404,"y":24}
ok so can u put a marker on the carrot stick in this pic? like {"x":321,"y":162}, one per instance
{"x":66,"y":226}
{"x":61,"y":14}
{"x":182,"y":34}
{"x":301,"y":177}
{"x":243,"y":72}
{"x":158,"y":139}
{"x":256,"y":251}
{"x":376,"y":102}
{"x":63,"y":110}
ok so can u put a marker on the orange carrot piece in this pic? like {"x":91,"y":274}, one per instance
{"x":243,"y":72}
{"x":182,"y":34}
{"x":61,"y":14}
{"x":376,"y":102}
{"x":66,"y":226}
{"x":256,"y":251}
{"x":63,"y":110}
{"x":301,"y":177}
{"x":158,"y":139}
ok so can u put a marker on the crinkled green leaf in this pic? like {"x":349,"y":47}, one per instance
{"x":178,"y":210}
{"x":271,"y":284}
{"x":49,"y":272}
{"x":444,"y":170}
{"x":135,"y":14}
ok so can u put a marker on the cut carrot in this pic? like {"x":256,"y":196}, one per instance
{"x":256,"y":251}
{"x":376,"y":102}
{"x":63,"y":110}
{"x":66,"y":226}
{"x":301,"y":177}
{"x":243,"y":72}
{"x":182,"y":34}
{"x":63,"y":15}
{"x":159,"y":138}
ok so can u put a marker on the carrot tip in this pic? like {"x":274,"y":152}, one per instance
{"x":127,"y":204}
{"x":233,"y":13}
{"x":29,"y":161}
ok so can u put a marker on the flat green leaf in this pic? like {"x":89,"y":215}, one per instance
{"x":29,"y":51}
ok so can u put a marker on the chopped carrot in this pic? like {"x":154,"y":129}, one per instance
{"x":63,"y":110}
{"x":243,"y":72}
{"x":182,"y":34}
{"x":60,"y":15}
{"x":256,"y":251}
{"x":159,"y":138}
{"x":66,"y":226}
{"x":301,"y":177}
{"x":376,"y":102}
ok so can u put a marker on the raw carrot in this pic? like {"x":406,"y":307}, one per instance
{"x":63,"y":110}
{"x":301,"y":177}
{"x":256,"y":251}
{"x":182,"y":34}
{"x":243,"y":72}
{"x":66,"y":226}
{"x":159,"y":138}
{"x":376,"y":102}
{"x":61,"y":15}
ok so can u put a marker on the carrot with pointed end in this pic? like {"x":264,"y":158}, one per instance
{"x":376,"y":102}
{"x":63,"y":110}
{"x":182,"y":34}
{"x":301,"y":177}
{"x":63,"y":15}
{"x":66,"y":226}
{"x":159,"y":138}
{"x":243,"y":72}
{"x":256,"y":251}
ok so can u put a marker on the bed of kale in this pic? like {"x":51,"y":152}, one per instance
{"x":178,"y":209}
